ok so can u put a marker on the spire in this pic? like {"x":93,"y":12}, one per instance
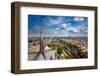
{"x":42,"y":45}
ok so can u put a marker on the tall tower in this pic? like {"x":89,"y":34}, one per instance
{"x":42,"y":45}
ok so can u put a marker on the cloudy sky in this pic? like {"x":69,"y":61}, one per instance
{"x":57,"y":26}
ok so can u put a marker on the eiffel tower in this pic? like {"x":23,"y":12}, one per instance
{"x":42,"y":46}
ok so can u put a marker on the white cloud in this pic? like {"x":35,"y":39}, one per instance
{"x":78,"y":19}
{"x":64,"y":25}
{"x":57,"y":29}
{"x":54,"y":21}
{"x":55,"y":32}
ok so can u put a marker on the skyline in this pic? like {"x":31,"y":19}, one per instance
{"x":57,"y":26}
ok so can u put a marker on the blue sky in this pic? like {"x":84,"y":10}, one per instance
{"x":57,"y":26}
